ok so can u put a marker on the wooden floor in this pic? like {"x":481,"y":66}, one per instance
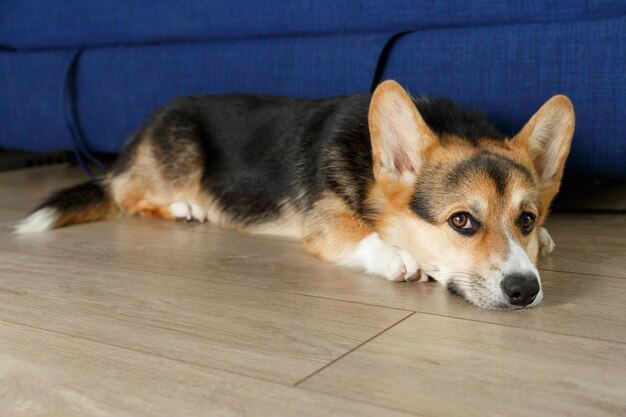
{"x":141,"y":317}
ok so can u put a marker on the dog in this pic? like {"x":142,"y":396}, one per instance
{"x":401,"y":187}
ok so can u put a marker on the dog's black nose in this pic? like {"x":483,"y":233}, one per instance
{"x":520,"y":289}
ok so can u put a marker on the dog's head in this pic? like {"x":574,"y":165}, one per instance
{"x":468,"y":211}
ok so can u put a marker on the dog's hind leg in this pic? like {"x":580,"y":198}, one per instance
{"x":177,"y":156}
{"x":158,"y":185}
{"x":335,"y":233}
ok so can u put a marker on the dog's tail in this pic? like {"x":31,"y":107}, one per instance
{"x":87,"y":202}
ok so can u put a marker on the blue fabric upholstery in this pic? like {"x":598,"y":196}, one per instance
{"x":152,"y":75}
{"x":510,"y":71}
{"x":31,"y":100}
{"x":505,"y":58}
{"x":72,"y":23}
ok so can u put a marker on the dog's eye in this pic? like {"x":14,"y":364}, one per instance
{"x":463,"y":223}
{"x":527,"y":222}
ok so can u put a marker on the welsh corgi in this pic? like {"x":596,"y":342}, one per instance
{"x":401,"y":187}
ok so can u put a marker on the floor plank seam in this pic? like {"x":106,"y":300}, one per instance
{"x":239,"y":285}
{"x":580,"y":273}
{"x":353,"y":349}
{"x":346,"y":301}
{"x":209,"y":368}
{"x":522,"y":328}
{"x":342,"y":300}
{"x":141,"y":352}
{"x":361,"y":401}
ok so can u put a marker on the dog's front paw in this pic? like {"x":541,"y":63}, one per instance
{"x":380,"y":258}
{"x":546,"y":244}
{"x":397,"y":265}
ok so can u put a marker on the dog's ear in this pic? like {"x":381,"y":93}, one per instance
{"x":400,"y":137}
{"x":547,"y":137}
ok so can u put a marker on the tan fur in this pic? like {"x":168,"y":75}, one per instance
{"x":140,"y":190}
{"x":546,"y":139}
{"x":399,"y":224}
{"x":331,"y":229}
{"x":148,"y":189}
{"x":289,"y":224}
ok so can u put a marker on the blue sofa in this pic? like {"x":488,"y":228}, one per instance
{"x":80,"y":73}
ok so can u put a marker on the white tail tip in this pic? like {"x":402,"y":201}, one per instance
{"x":39,"y":221}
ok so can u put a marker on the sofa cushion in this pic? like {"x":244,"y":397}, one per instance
{"x":509,"y":71}
{"x":32,"y":100}
{"x":31,"y":24}
{"x":119,"y":87}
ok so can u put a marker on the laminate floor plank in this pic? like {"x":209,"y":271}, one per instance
{"x":48,"y":374}
{"x":262,"y":333}
{"x":585,"y":224}
{"x":590,"y":254}
{"x":440,"y":366}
